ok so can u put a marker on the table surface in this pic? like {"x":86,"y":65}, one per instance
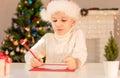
{"x":89,"y":70}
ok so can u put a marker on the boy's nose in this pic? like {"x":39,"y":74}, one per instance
{"x":58,"y":24}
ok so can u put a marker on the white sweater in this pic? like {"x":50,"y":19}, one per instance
{"x":56,"y":48}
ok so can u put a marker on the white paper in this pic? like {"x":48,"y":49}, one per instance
{"x":54,"y":66}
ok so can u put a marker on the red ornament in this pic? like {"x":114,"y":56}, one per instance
{"x":31,"y":6}
{"x":35,"y":19}
{"x":22,"y":41}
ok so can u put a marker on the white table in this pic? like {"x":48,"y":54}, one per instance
{"x":90,"y":70}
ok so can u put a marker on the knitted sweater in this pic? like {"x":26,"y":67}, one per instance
{"x":55,"y":48}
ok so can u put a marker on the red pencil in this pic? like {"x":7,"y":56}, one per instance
{"x":23,"y":41}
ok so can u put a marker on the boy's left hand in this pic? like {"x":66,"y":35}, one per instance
{"x":71,"y":63}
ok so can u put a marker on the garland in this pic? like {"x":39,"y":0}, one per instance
{"x":84,"y":12}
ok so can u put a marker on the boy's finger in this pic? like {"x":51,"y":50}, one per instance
{"x":35,"y":62}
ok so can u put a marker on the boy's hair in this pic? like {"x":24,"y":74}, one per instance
{"x":68,"y":7}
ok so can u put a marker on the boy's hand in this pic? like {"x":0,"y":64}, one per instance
{"x":35,"y":63}
{"x":71,"y":63}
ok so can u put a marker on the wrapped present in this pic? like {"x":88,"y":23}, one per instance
{"x":5,"y":62}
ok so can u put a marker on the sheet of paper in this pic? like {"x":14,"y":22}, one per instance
{"x":54,"y":66}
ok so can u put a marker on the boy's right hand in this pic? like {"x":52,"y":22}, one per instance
{"x":35,"y":63}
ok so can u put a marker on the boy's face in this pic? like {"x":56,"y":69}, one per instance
{"x":61,"y":23}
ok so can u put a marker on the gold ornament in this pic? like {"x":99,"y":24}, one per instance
{"x":38,"y":22}
{"x":6,"y":52}
{"x":25,"y":50}
{"x":26,"y":2}
{"x":12,"y":53}
{"x":11,"y":39}
{"x":15,"y":16}
{"x":33,"y":40}
{"x":7,"y":36}
{"x":40,"y":28}
{"x":27,"y":29}
{"x":19,"y":5}
{"x":17,"y":49}
{"x":3,"y":42}
{"x":15,"y":43}
{"x":21,"y":50}
{"x":29,"y":35}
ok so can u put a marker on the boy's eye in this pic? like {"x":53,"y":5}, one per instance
{"x":64,"y":20}
{"x":54,"y":20}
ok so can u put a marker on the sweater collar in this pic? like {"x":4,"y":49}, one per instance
{"x":63,"y":37}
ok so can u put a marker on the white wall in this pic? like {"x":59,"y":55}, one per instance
{"x":96,"y":3}
{"x":8,"y":8}
{"x":99,"y":3}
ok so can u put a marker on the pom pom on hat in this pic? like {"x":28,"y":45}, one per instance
{"x":44,"y":15}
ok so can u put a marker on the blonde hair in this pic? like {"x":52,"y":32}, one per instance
{"x":68,"y":7}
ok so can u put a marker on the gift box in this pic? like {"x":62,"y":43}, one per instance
{"x":5,"y":62}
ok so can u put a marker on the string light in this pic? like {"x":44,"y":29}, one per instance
{"x":105,"y":14}
{"x":117,"y":26}
{"x":98,"y":21}
{"x":97,"y":17}
{"x":117,"y":33}
{"x":98,"y":25}
{"x":115,"y":17}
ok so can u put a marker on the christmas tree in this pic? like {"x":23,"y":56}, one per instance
{"x":26,"y":24}
{"x":111,"y":49}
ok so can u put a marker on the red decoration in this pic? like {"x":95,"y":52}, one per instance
{"x":35,"y":19}
{"x":31,"y":6}
{"x":23,"y":42}
{"x":7,"y":58}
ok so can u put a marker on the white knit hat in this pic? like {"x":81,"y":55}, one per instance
{"x":68,"y":7}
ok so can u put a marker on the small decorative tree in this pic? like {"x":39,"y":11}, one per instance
{"x":111,"y":49}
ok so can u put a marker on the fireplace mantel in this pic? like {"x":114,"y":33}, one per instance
{"x":97,"y":26}
{"x":103,"y":12}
